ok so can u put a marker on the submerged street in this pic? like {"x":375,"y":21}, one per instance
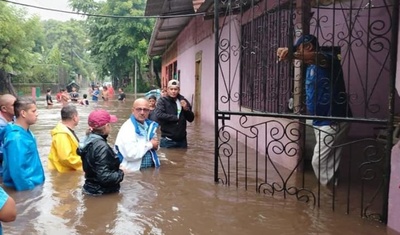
{"x":179,"y":198}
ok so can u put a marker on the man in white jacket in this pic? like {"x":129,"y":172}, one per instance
{"x":137,"y":142}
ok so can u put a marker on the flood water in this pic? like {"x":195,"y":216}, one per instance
{"x":179,"y":198}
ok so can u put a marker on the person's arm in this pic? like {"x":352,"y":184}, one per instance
{"x":161,"y":113}
{"x":187,"y":111}
{"x":8,"y":211}
{"x":68,"y":156}
{"x":308,"y":57}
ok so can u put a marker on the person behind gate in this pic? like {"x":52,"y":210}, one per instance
{"x":137,"y":142}
{"x":325,"y":96}
{"x":172,"y":112}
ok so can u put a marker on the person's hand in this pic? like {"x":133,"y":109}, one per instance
{"x":282,"y":53}
{"x":184,"y":105}
{"x":155,"y":142}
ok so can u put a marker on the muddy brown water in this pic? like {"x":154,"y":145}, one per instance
{"x":179,"y":198}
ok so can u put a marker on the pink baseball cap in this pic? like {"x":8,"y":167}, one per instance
{"x":100,"y":117}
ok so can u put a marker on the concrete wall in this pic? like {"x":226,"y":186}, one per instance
{"x":394,"y":189}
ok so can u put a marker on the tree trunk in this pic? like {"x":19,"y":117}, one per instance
{"x":5,"y":83}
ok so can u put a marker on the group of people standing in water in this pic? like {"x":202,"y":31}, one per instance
{"x":104,"y":165}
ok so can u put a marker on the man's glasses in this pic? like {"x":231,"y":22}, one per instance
{"x":142,"y":110}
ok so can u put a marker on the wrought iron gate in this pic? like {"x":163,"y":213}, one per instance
{"x":264,"y":135}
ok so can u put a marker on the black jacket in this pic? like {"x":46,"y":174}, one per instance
{"x":101,"y":166}
{"x":172,"y":126}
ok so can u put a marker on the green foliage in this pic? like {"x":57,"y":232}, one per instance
{"x":18,"y":39}
{"x":115,"y":43}
{"x":42,"y":51}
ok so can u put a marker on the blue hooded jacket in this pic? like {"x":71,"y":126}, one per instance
{"x":22,"y":168}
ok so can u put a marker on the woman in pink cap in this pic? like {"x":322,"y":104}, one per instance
{"x":100,"y":163}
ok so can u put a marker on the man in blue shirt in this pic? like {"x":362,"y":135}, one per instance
{"x":325,"y":96}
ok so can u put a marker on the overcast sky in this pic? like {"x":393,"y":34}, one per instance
{"x":54,"y":4}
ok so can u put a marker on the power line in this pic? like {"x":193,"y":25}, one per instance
{"x":103,"y":16}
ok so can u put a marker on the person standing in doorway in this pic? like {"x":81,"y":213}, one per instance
{"x":6,"y":116}
{"x":23,"y":169}
{"x":100,"y":163}
{"x":63,"y":156}
{"x":137,"y":141}
{"x":325,"y":96}
{"x":172,"y":112}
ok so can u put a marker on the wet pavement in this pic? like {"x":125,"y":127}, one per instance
{"x":179,"y":198}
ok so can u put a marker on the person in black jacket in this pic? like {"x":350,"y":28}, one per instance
{"x":100,"y":163}
{"x":172,"y":112}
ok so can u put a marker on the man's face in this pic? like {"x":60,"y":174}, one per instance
{"x":8,"y":109}
{"x":141,"y":110}
{"x":173,"y":91}
{"x":30,"y":114}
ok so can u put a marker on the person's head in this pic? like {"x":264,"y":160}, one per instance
{"x":62,"y":90}
{"x":85,"y":96}
{"x":7,"y":106}
{"x":173,"y":88}
{"x":48,"y":90}
{"x":99,"y":121}
{"x":141,"y":109}
{"x":121,"y":90}
{"x":105,"y":88}
{"x":25,"y":111}
{"x":73,"y":89}
{"x":306,"y":43}
{"x":96,"y":88}
{"x":152,"y":101}
{"x":69,"y":115}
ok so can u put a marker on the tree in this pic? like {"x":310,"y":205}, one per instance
{"x":115,"y":43}
{"x":18,"y":40}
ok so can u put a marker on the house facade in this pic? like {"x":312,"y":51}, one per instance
{"x":228,"y":69}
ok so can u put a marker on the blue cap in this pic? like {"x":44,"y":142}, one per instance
{"x":308,"y":38}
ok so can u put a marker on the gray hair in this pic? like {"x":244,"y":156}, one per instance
{"x":68,"y":112}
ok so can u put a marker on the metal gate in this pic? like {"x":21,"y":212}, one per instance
{"x":264,"y":129}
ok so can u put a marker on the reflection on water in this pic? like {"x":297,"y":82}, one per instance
{"x":178,"y":198}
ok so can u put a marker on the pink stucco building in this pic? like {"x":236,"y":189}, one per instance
{"x":362,"y":33}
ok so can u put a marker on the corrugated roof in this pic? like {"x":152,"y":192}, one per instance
{"x":166,"y":30}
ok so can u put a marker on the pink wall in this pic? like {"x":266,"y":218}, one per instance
{"x":199,"y":36}
{"x":394,"y":190}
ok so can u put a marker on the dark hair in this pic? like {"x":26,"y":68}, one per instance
{"x":48,"y":89}
{"x":152,"y":97}
{"x":68,"y":112}
{"x":84,"y":96}
{"x":22,"y":104}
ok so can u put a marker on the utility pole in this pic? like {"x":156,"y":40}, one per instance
{"x":135,"y":79}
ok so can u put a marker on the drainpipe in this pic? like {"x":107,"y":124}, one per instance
{"x":391,"y":98}
{"x":216,"y":73}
